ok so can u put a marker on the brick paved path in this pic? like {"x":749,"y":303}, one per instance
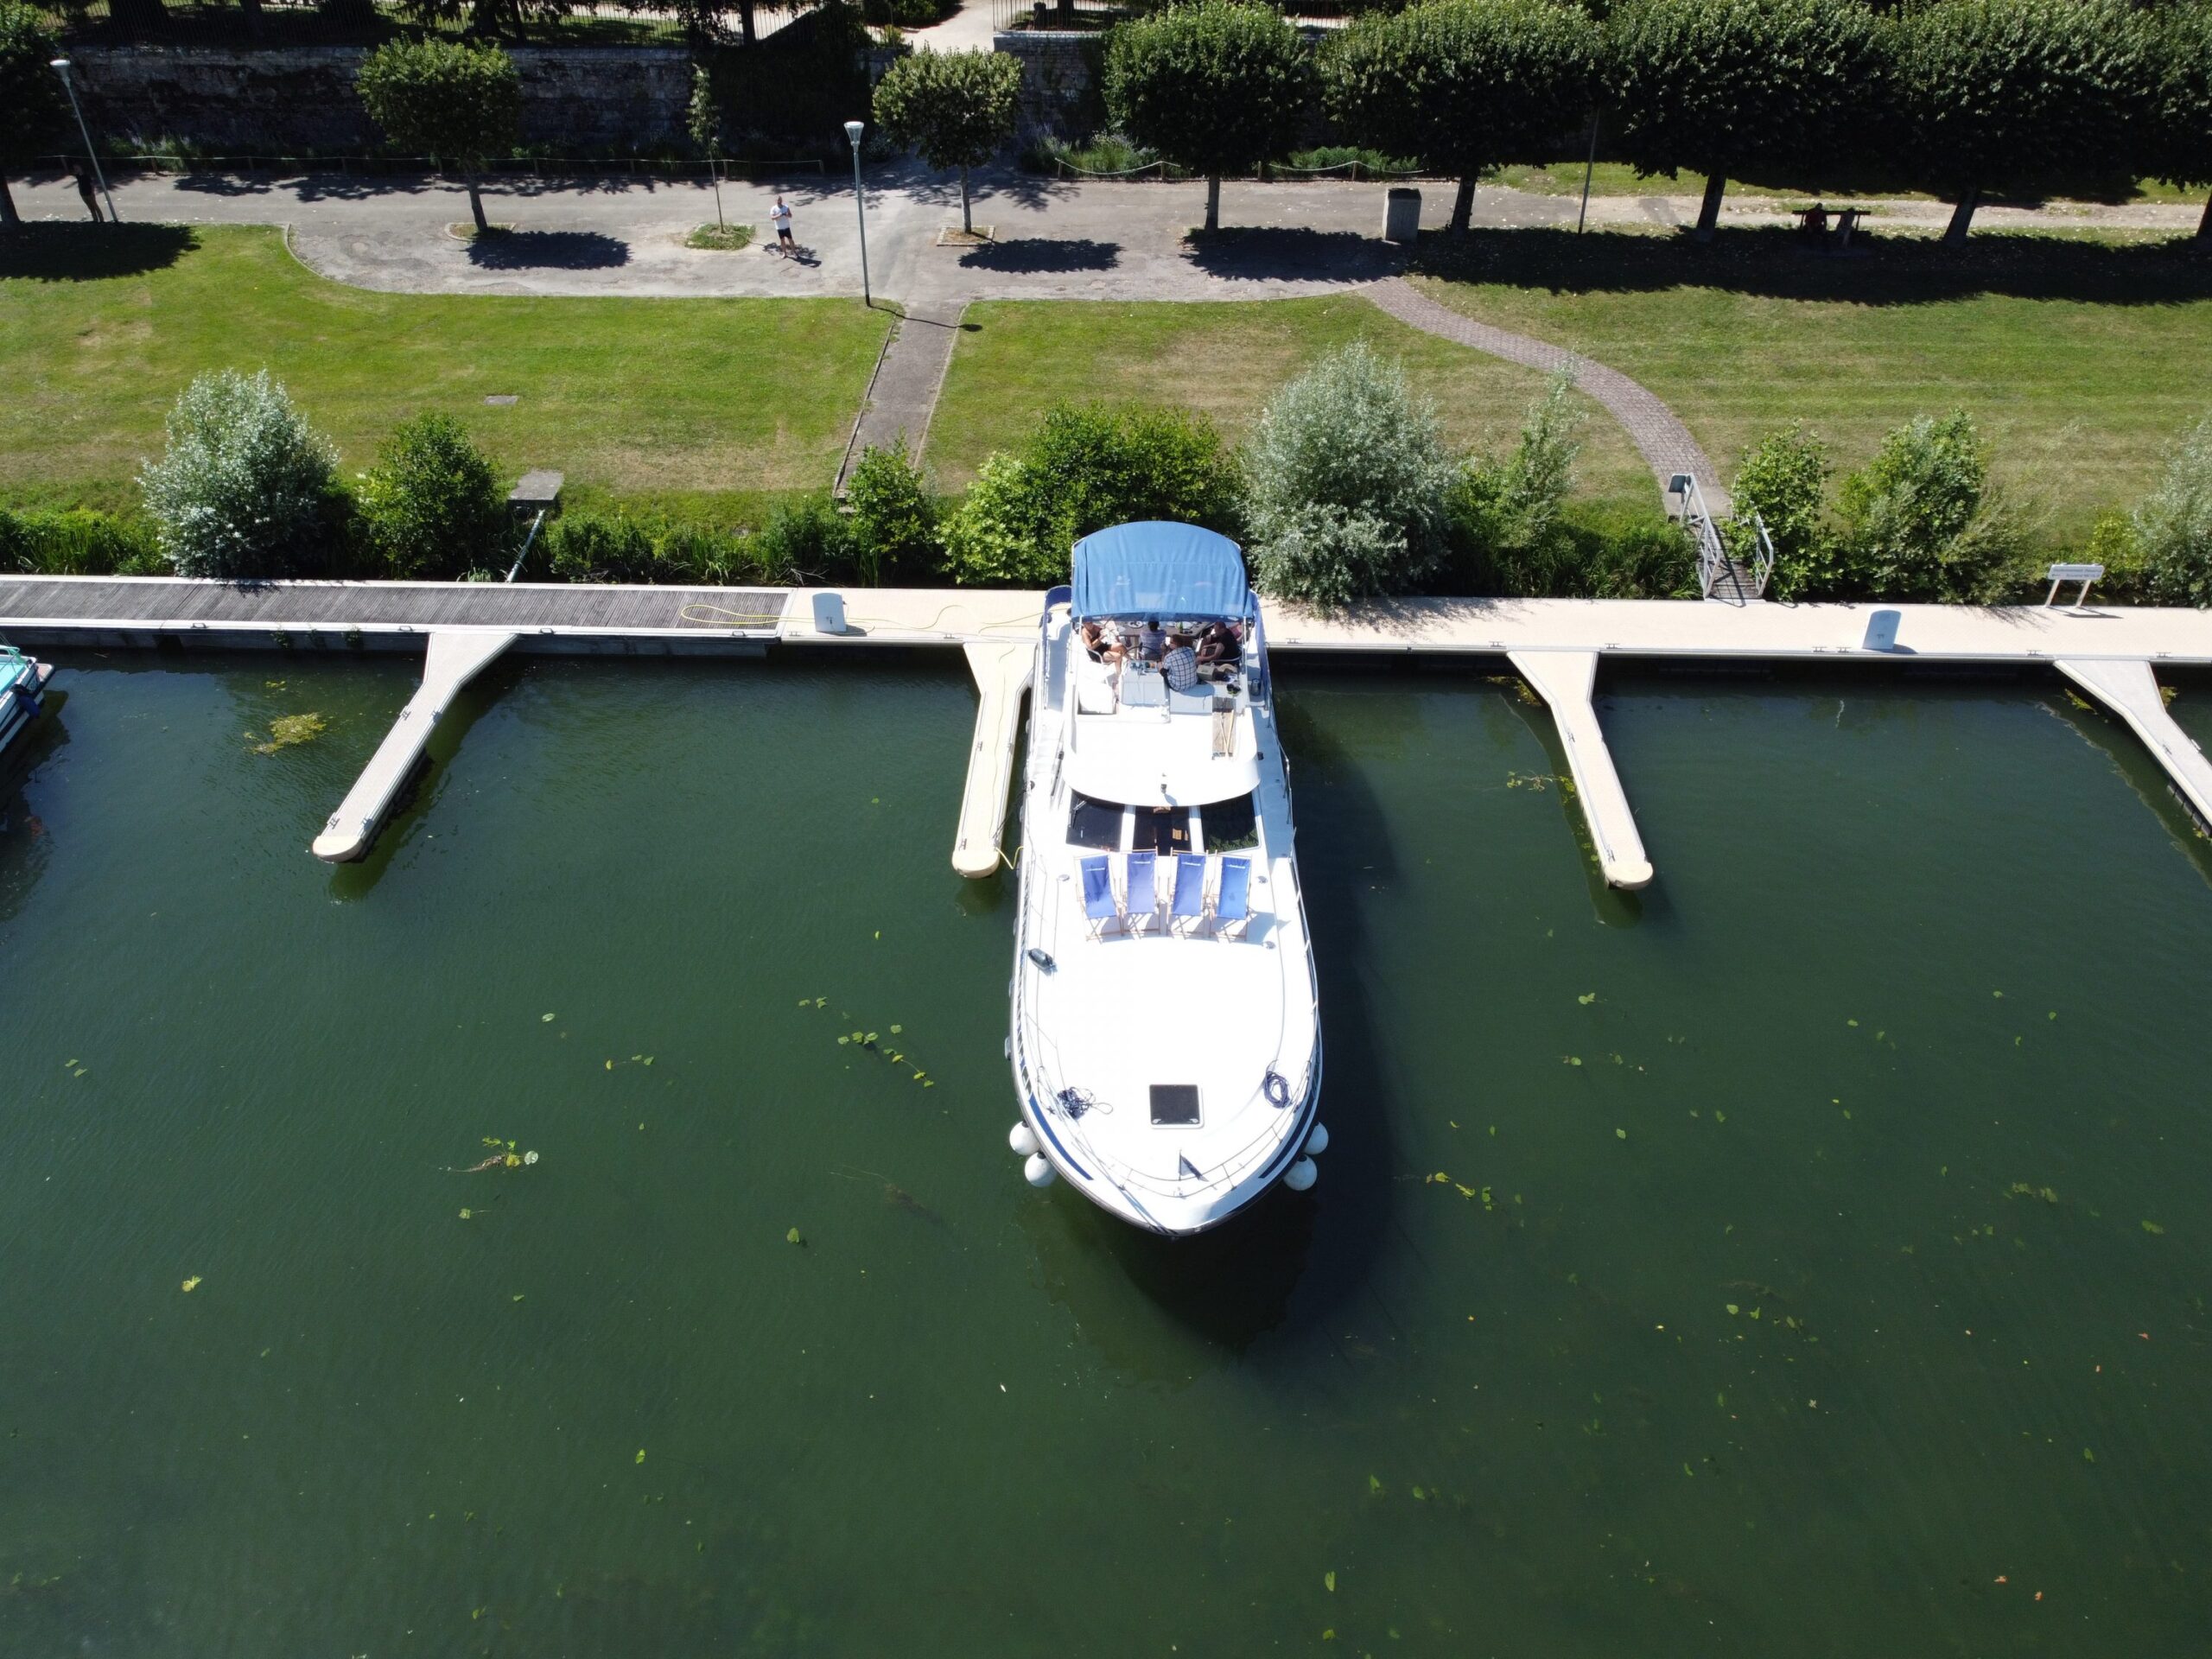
{"x":1665,"y":443}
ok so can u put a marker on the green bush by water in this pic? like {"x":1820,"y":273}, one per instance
{"x":79,"y":543}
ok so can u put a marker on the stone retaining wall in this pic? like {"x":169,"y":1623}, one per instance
{"x":287,"y":100}
{"x":1058,"y":96}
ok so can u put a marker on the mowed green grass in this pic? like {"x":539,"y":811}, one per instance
{"x":2082,"y":360}
{"x":1018,"y":358}
{"x":637,"y":401}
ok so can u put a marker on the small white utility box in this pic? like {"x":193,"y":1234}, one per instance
{"x":1401,"y":215}
{"x":829,"y":613}
{"x":1882,"y":630}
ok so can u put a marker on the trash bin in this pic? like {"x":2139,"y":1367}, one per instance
{"x":1402,"y":215}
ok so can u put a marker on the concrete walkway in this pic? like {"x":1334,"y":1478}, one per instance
{"x":908,"y":378}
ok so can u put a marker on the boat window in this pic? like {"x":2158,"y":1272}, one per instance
{"x":1095,"y":823}
{"x":1231,"y":825}
{"x":1163,"y":830}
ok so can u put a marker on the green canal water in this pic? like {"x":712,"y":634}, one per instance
{"x":1808,"y":1256}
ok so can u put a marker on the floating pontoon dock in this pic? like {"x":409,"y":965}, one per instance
{"x":2111,"y":652}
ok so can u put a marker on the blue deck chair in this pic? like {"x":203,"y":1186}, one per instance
{"x":1144,"y":893}
{"x":1232,"y":904}
{"x":1189,"y":905}
{"x":1098,"y":894}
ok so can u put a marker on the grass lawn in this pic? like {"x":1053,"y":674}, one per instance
{"x":2082,"y":359}
{"x":1226,"y":358}
{"x":1620,"y":179}
{"x":698,"y":405}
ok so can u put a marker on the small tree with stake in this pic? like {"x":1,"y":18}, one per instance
{"x":1719,"y":85}
{"x":956,"y":108}
{"x":1215,"y":87}
{"x":31,"y":111}
{"x":2010,"y":91}
{"x":1462,"y":85}
{"x":702,"y":119}
{"x":460,"y":104}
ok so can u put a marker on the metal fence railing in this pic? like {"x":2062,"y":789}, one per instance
{"x":357,"y":22}
{"x":1092,"y":15}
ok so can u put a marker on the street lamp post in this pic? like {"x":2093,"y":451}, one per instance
{"x":859,"y":202}
{"x":61,"y":67}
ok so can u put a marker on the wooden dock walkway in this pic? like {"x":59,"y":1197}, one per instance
{"x":2112,"y":652}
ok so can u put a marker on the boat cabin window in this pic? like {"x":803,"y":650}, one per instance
{"x":1094,"y":823}
{"x":1230,"y":826}
{"x":1163,"y":830}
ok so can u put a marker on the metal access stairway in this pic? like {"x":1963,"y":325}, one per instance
{"x":1721,"y":575}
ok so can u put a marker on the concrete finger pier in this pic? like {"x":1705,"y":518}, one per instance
{"x":454,"y":657}
{"x":1566,"y":680}
{"x":1002,"y":675}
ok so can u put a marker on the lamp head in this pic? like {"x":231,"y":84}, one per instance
{"x":61,"y":67}
{"x":853,"y":132}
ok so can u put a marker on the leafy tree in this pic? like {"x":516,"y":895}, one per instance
{"x":1783,"y":481}
{"x":893,"y":520}
{"x":1086,"y":467}
{"x":1215,"y":87}
{"x":484,"y":18}
{"x":1719,"y":86}
{"x":1462,"y":85}
{"x":246,"y":484}
{"x":2173,"y":525}
{"x":956,"y":108}
{"x":31,"y":107}
{"x":1347,"y":484}
{"x":432,"y":505}
{"x":2180,"y":148}
{"x":460,"y":104}
{"x":1920,"y":521}
{"x":2004,"y":92}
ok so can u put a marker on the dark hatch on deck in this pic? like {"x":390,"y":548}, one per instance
{"x":1175,"y":1104}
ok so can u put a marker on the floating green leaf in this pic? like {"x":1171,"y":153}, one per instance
{"x":1587,"y":998}
{"x":1374,"y":1486}
{"x":191,"y":1284}
{"x":2088,"y":1456}
{"x":1620,"y":1134}
{"x":465,"y":1214}
{"x":1329,"y":1579}
{"x":1731,"y":1307}
{"x":793,"y":1238}
{"x":545,"y":1018}
{"x":2153,"y":1227}
{"x":641,"y":1454}
{"x":895,"y":1030}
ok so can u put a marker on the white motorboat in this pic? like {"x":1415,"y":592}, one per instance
{"x":22,"y":682}
{"x":1167,"y":1041}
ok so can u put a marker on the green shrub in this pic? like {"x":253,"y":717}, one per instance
{"x":1919,"y":519}
{"x":246,"y":487}
{"x":893,"y":522}
{"x":2114,"y":544}
{"x":431,"y":507}
{"x":77,"y":543}
{"x":2173,"y":525}
{"x":1505,"y":512}
{"x":1784,"y":480}
{"x":1086,"y":467}
{"x":805,"y":541}
{"x":1347,"y":484}
{"x":584,"y":549}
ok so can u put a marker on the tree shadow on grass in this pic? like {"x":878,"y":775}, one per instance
{"x":67,"y":252}
{"x":1777,"y":263}
{"x":1043,"y":253}
{"x":547,"y":250}
{"x":1271,"y":254}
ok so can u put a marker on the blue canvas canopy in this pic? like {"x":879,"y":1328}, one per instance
{"x":1158,"y":569}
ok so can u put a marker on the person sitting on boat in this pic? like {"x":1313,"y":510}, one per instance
{"x":1101,"y":646}
{"x":1218,"y":644}
{"x":1152,"y":641}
